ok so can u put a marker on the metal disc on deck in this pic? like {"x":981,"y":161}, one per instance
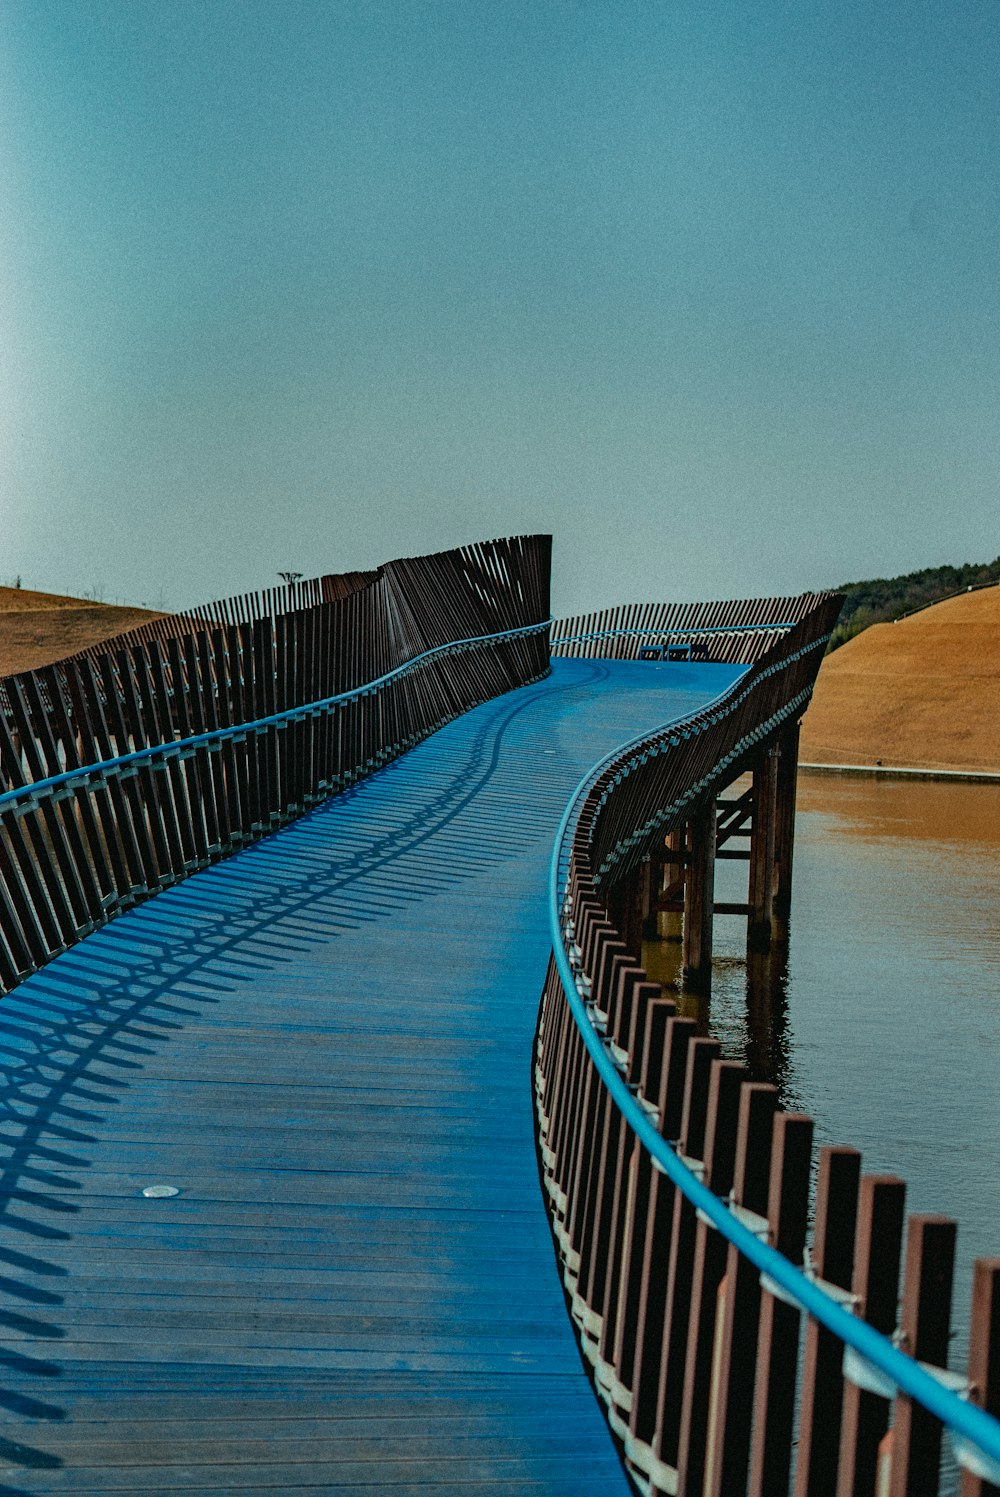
{"x":160,"y":1192}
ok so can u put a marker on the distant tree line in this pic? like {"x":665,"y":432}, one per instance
{"x":886,"y":598}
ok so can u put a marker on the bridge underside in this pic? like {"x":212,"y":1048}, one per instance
{"x":324,"y":1045}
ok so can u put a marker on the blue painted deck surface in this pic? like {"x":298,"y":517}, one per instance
{"x":325,"y":1044}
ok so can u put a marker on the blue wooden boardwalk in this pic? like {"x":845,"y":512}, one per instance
{"x":324,"y":1045}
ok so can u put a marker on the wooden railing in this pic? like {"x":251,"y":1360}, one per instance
{"x":126,"y":769}
{"x":737,"y":631}
{"x":679,"y":1189}
{"x":735,"y":1350}
{"x":244,"y":608}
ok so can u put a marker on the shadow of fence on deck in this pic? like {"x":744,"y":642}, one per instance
{"x":76,"y":1036}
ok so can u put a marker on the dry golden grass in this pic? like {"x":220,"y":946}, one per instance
{"x":923,"y":692}
{"x":39,"y":628}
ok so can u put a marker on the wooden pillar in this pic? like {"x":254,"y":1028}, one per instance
{"x":670,"y":922}
{"x":632,"y":913}
{"x":761,"y":895}
{"x":631,"y":901}
{"x":621,"y":903}
{"x":784,"y":827}
{"x":699,"y":894}
{"x":650,"y":879}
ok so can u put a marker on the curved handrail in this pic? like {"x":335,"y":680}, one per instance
{"x":975,"y":1434}
{"x":183,"y":747}
{"x":686,"y":631}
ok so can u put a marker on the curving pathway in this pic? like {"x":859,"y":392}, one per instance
{"x":324,"y":1045}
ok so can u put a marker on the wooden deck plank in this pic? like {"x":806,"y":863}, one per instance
{"x":324,"y":1043}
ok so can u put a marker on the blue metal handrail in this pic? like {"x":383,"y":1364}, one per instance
{"x":665,"y":631}
{"x":184,"y":747}
{"x":975,"y":1435}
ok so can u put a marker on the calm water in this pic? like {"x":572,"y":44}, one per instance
{"x":886,"y":1025}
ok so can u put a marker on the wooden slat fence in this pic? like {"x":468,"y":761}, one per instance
{"x":165,"y":754}
{"x":244,"y":608}
{"x":742,"y":630}
{"x":679,"y":1194}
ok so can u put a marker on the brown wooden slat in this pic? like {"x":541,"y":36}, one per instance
{"x":729,"y":1452}
{"x":709,"y":1267}
{"x":984,"y":1357}
{"x":778,"y":1335}
{"x":876,"y":1279}
{"x":822,"y":1381}
{"x":925,"y":1322}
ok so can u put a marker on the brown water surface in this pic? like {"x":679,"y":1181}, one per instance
{"x":955,"y":812}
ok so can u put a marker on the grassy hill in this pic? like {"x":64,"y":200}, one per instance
{"x":923,"y":692}
{"x":883,"y":599}
{"x":39,"y":628}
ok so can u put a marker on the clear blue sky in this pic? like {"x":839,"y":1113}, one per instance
{"x":710,"y":290}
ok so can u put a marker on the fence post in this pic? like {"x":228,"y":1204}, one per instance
{"x":673,"y":1361}
{"x":778,"y":1346}
{"x":617,"y":1348}
{"x":822,"y":1375}
{"x":924,"y":1324}
{"x":651,"y":1313}
{"x":709,"y":1266}
{"x":876,"y":1283}
{"x":984,"y":1357}
{"x":729,"y":1450}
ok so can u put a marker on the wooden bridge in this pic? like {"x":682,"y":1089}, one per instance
{"x":278,"y":1142}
